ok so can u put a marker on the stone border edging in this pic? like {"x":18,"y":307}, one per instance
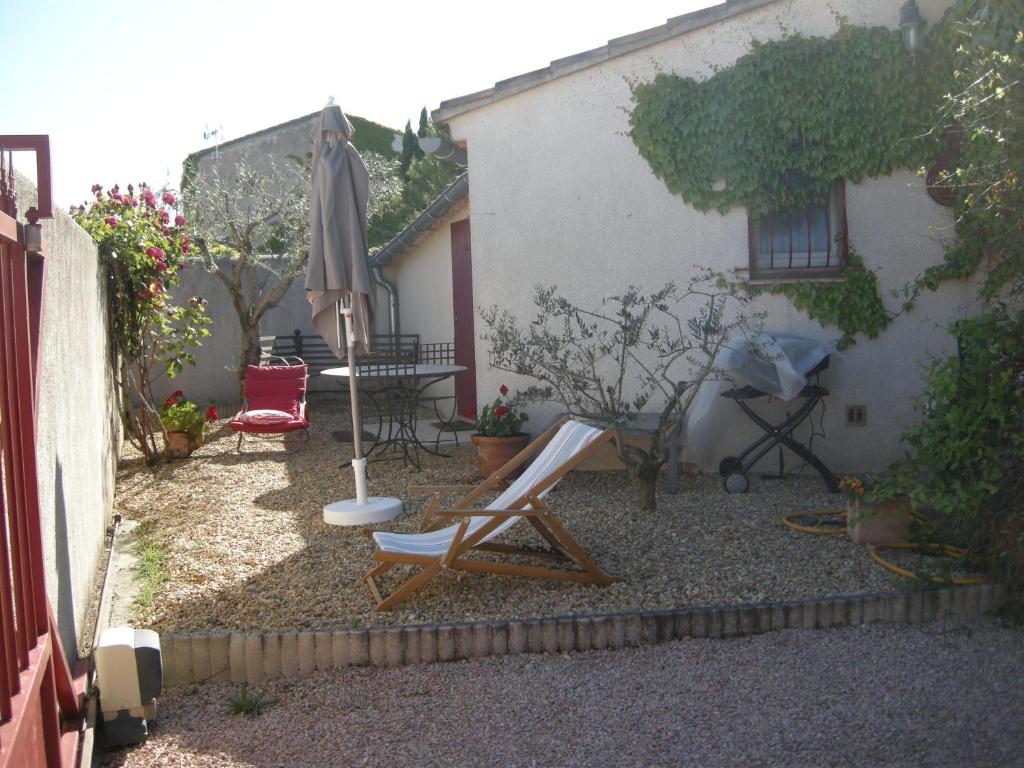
{"x":253,"y":657}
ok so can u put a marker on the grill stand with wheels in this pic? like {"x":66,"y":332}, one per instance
{"x":734,"y":469}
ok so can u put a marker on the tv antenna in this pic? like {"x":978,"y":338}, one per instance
{"x":215,"y":135}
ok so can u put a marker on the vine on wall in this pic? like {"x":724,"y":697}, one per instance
{"x":802,"y":107}
{"x":778,"y":128}
{"x":853,"y":304}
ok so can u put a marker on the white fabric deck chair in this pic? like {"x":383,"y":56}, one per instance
{"x":560,"y":449}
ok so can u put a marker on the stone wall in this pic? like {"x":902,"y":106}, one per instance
{"x":79,"y":434}
{"x":213,"y":380}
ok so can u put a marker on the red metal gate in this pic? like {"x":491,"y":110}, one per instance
{"x":40,"y":708}
{"x":462,"y":294}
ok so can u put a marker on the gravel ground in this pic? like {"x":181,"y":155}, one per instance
{"x":940,"y":694}
{"x":247,"y":548}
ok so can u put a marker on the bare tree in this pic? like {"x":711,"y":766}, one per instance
{"x":253,"y":233}
{"x":637,"y":351}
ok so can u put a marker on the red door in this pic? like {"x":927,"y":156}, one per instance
{"x":462,"y":305}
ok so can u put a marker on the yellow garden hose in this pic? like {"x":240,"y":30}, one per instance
{"x":947,"y":549}
{"x":820,"y":530}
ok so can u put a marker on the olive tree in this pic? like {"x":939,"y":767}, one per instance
{"x":253,"y":233}
{"x":635,"y":353}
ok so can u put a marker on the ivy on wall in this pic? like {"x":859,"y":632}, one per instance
{"x":853,"y":304}
{"x":806,"y":108}
{"x":779,"y":127}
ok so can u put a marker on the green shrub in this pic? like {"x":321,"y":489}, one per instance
{"x":965,"y":464}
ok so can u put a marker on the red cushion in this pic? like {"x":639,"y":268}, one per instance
{"x":239,"y":425}
{"x":265,"y":417}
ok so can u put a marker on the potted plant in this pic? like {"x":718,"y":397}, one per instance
{"x":185,"y":424}
{"x":876,"y":514}
{"x":498,"y":434}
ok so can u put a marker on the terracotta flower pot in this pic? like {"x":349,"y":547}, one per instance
{"x":494,"y":452}
{"x":885,"y":523}
{"x":179,"y":446}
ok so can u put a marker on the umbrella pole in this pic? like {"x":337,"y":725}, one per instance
{"x":363,"y":509}
{"x":358,"y":462}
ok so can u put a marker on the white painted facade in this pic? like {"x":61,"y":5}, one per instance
{"x":423,"y":276}
{"x":560,"y":195}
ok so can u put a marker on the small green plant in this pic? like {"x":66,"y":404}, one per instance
{"x":150,"y":567}
{"x":179,"y":414}
{"x":503,"y":417}
{"x":249,"y":703}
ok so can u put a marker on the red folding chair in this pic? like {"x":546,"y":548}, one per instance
{"x":275,"y":402}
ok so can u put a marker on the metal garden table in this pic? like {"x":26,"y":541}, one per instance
{"x":398,"y":396}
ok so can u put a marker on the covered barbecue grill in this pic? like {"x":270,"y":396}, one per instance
{"x":781,"y":366}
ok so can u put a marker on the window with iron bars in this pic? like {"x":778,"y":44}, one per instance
{"x":808,"y":241}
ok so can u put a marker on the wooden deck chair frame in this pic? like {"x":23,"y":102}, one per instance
{"x":561,"y":545}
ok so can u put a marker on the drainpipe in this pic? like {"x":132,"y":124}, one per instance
{"x":378,"y":277}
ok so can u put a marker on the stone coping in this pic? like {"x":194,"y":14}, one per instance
{"x":253,"y":657}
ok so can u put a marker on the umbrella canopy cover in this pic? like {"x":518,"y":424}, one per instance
{"x":338,"y":270}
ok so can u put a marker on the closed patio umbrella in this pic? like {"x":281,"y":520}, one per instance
{"x":338,"y":283}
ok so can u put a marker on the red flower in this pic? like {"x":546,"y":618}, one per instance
{"x":184,"y":246}
{"x":501,"y":410}
{"x":177,"y":393}
{"x":96,"y":188}
{"x":470,"y":413}
{"x":165,"y":217}
{"x":112,"y":221}
{"x":179,"y":220}
{"x":503,"y":389}
{"x":155,"y":253}
{"x":161,"y":266}
{"x":117,"y":196}
{"x":211,"y":413}
{"x":169,"y":198}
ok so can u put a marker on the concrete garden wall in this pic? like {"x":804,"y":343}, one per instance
{"x":562,"y":196}
{"x":79,"y":434}
{"x":212,"y":381}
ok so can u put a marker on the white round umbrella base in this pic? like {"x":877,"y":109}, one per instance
{"x":377,"y":509}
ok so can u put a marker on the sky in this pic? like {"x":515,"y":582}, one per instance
{"x":126,"y":90}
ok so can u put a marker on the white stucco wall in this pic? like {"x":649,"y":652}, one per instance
{"x":423,"y":275}
{"x":79,"y":432}
{"x":560,"y":195}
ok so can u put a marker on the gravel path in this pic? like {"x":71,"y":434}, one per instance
{"x":248,"y":550}
{"x":941,"y":694}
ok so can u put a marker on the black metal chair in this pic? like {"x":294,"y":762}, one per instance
{"x":440,"y":353}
